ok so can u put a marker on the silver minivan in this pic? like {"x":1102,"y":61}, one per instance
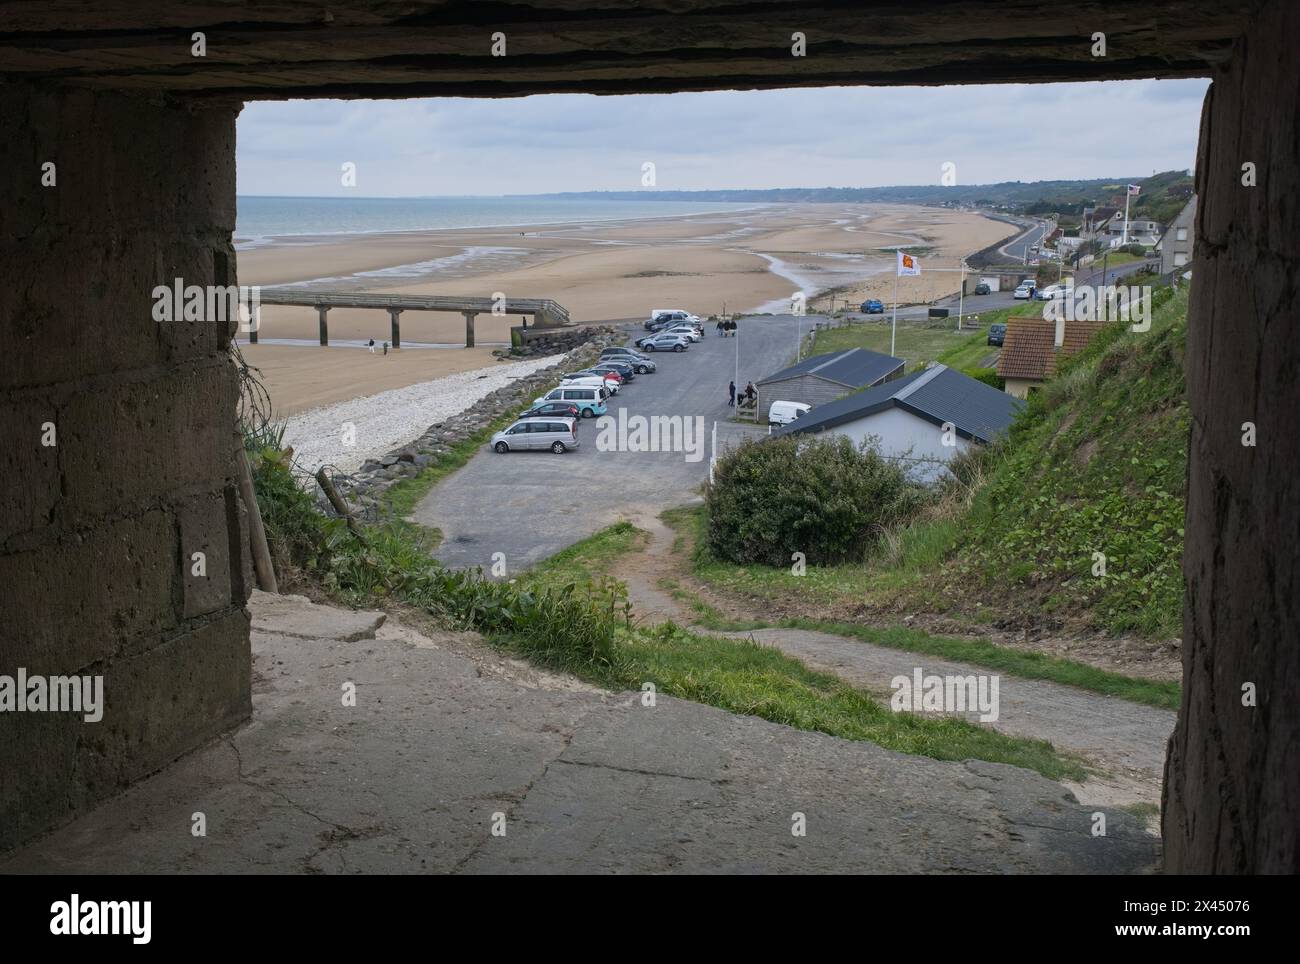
{"x":557,"y":434}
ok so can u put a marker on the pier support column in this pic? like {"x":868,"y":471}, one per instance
{"x":324,"y":325}
{"x":394,"y":316}
{"x":469,"y":327}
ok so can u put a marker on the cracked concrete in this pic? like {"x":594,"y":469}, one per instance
{"x":408,"y":780}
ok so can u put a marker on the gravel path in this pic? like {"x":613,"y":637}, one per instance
{"x":382,"y":422}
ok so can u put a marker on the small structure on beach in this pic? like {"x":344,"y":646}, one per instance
{"x":546,"y":313}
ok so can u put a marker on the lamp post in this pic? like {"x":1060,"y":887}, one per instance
{"x":961,"y":293}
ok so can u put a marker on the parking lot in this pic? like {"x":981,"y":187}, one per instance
{"x":530,"y":505}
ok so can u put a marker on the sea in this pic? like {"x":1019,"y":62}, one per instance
{"x":267,"y":220}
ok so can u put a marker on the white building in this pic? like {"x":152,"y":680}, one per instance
{"x":924,"y":419}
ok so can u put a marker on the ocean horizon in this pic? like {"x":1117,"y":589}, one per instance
{"x":262,"y":218}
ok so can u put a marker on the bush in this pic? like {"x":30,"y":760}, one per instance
{"x":823,"y":497}
{"x":989,"y":376}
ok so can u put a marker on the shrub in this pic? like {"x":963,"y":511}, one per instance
{"x":823,"y":497}
{"x":989,"y":376}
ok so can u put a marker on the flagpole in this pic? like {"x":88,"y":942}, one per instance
{"x":961,"y":293}
{"x":894,"y":327}
{"x":1128,"y":192}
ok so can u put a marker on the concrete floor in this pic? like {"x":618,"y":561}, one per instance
{"x":445,"y":733}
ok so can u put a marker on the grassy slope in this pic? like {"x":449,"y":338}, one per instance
{"x":1099,"y":466}
{"x":824,"y":586}
{"x":743,"y":677}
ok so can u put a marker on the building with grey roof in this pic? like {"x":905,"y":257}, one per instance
{"x":824,"y":378}
{"x":925,"y":418}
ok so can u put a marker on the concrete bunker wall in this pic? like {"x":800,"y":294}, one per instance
{"x":98,"y":529}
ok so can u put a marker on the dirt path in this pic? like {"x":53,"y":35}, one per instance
{"x":1123,"y":742}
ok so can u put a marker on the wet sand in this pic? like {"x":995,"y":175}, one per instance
{"x":601,"y":270}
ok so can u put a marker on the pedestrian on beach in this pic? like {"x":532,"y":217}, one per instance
{"x":371,"y":345}
{"x":731,"y":395}
{"x":385,"y":348}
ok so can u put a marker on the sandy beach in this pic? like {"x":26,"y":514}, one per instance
{"x":602,"y":270}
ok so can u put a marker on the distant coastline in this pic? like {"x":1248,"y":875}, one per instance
{"x":265,"y":220}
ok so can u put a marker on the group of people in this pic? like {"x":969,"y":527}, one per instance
{"x":727,"y":327}
{"x":371,"y":345}
{"x":748,"y":395}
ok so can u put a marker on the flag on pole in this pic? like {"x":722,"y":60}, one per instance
{"x":1134,"y":190}
{"x":907,"y":265}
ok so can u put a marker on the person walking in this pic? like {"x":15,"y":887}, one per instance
{"x":371,"y":346}
{"x":385,"y":348}
{"x":731,"y":395}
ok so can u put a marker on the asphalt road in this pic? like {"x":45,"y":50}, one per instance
{"x":530,"y":505}
{"x":1015,"y":248}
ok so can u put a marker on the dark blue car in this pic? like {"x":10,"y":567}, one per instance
{"x":873,"y":307}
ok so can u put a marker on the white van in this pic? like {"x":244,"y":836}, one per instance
{"x":598,"y":381}
{"x":783,"y":413}
{"x":589,"y":401}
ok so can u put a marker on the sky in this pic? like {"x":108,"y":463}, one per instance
{"x":801,"y":137}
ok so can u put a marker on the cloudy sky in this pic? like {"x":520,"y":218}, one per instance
{"x":839,"y":136}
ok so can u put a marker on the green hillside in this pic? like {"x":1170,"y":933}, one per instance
{"x":1097,"y":465}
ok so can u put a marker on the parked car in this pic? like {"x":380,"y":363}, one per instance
{"x":675,"y":314}
{"x":638,"y":362}
{"x":1051,"y":292}
{"x":873,"y":306}
{"x":686,"y":331}
{"x":590,"y":400}
{"x":611,"y":374}
{"x":609,"y":384}
{"x":997,"y":333}
{"x":664,"y":342}
{"x":1024,"y":291}
{"x":612,"y":367}
{"x":558,"y":409}
{"x":783,"y":413}
{"x":557,"y":434}
{"x":982,"y":289}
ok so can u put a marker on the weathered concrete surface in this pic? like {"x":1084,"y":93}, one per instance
{"x":295,"y":616}
{"x":117,"y":443}
{"x":445,"y":733}
{"x":1233,"y":783}
{"x":357,"y":48}
{"x":1124,"y":739}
